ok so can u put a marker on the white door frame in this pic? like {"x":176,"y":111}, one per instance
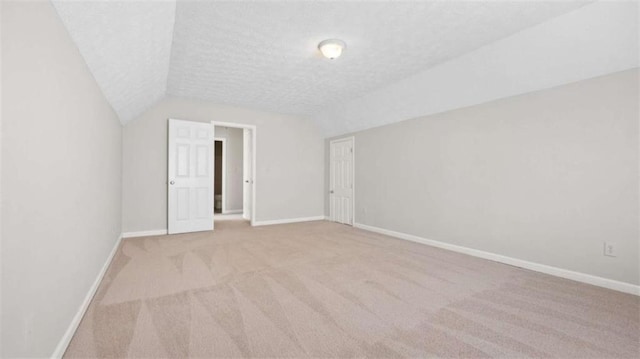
{"x":224,"y":173}
{"x":254,"y":135}
{"x":353,"y":174}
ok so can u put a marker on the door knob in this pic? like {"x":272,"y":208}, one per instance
{"x":172,"y":183}
{"x":331,"y":191}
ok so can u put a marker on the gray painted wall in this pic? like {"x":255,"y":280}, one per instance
{"x":545,"y":177}
{"x":61,"y":179}
{"x":289,"y":178}
{"x":233,"y":162}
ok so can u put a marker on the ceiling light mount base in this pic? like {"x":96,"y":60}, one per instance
{"x":332,"y":48}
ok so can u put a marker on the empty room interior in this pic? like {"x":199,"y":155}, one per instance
{"x":320,"y":179}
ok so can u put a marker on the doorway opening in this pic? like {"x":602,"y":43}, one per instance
{"x":219,"y":185}
{"x":234,"y":180}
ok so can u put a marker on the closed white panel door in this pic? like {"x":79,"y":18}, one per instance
{"x":247,"y":161}
{"x":190,"y":185}
{"x":341,"y":181}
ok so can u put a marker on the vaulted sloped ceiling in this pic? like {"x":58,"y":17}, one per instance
{"x":127,"y":46}
{"x":263,"y":55}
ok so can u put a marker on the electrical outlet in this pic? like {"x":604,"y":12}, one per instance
{"x":610,"y":249}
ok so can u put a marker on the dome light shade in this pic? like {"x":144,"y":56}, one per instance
{"x":332,"y":48}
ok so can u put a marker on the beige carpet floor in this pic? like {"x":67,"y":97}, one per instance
{"x":325,"y":290}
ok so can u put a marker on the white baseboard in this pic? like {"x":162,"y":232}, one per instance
{"x":232,"y":211}
{"x":290,"y":220}
{"x":71,"y":330}
{"x":155,"y":232}
{"x":542,"y":268}
{"x":227,"y":217}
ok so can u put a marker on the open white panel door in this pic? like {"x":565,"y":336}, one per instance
{"x":190,"y":202}
{"x":247,"y":173}
{"x":341,"y":181}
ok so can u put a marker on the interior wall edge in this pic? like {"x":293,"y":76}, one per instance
{"x":331,"y":137}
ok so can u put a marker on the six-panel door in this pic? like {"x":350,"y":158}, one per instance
{"x":190,"y":177}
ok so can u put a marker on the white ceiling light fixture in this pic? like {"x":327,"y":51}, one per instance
{"x":332,"y":48}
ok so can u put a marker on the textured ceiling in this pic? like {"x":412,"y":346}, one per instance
{"x":263,"y":55}
{"x":127,"y":46}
